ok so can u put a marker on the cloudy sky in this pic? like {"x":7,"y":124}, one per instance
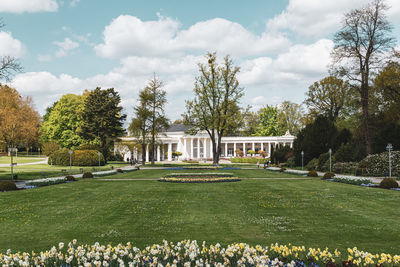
{"x":66,"y":46}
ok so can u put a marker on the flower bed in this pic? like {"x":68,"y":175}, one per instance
{"x":199,"y":178}
{"x":190,"y":253}
{"x":47,"y":181}
{"x":202,"y":168}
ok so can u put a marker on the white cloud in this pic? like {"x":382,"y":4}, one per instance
{"x":129,"y":36}
{"x":318,"y":18}
{"x":10,"y":46}
{"x":30,"y":6}
{"x":65,"y":46}
{"x":73,"y":3}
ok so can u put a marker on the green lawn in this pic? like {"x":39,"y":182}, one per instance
{"x":39,"y":171}
{"x":7,"y":160}
{"x":308,"y":212}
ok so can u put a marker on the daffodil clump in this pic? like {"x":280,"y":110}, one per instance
{"x":189,"y":253}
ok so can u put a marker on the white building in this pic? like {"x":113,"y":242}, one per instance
{"x":199,"y":146}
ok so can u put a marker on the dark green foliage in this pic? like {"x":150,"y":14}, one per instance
{"x":316,"y":138}
{"x":70,"y":178}
{"x":88,"y":146}
{"x":343,"y":137}
{"x":119,"y":170}
{"x":386,"y":133}
{"x":79,"y":158}
{"x":281,"y":154}
{"x":50,"y":147}
{"x":352,"y":181}
{"x":7,"y":186}
{"x":389,"y":183}
{"x":321,"y":161}
{"x":312,"y":164}
{"x":59,"y":157}
{"x":87,"y":175}
{"x":328,"y":175}
{"x":114,"y":157}
{"x":291,"y":162}
{"x":312,"y":174}
{"x":345,"y":167}
{"x":102,"y":118}
{"x":350,"y":152}
{"x":282,"y":169}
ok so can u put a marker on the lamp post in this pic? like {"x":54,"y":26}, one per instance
{"x":389,"y":148}
{"x":12,"y":163}
{"x":330,"y":160}
{"x":39,"y":152}
{"x":70,"y":160}
{"x":302,"y":159}
{"x":98,"y":154}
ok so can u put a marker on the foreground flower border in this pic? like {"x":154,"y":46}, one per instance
{"x":199,"y":180}
{"x":190,"y":253}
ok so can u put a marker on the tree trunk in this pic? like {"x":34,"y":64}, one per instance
{"x":366,"y":128}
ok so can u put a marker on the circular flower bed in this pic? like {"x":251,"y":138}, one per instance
{"x":199,"y":178}
{"x":202,"y":168}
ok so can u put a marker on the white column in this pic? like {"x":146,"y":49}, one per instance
{"x":198,"y":148}
{"x":185,"y":155}
{"x":262,"y":146}
{"x":244,"y":149}
{"x":169,"y":151}
{"x":158,"y":153}
{"x":205,"y":147}
{"x":226,"y":149}
{"x":234,"y":149}
{"x":269,"y":149}
{"x":147,"y":153}
{"x":191,"y":148}
{"x":253,"y":146}
{"x":291,"y":144}
{"x":211,"y":149}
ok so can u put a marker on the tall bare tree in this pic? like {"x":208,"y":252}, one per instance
{"x":215,"y":107}
{"x":360,"y":48}
{"x":8,"y":64}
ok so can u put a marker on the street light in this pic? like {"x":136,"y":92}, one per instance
{"x":70,"y":160}
{"x":302,"y":159}
{"x":330,"y":160}
{"x":98,"y":154}
{"x":389,"y":148}
{"x":39,"y":152}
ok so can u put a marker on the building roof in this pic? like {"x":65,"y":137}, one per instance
{"x":178,"y":128}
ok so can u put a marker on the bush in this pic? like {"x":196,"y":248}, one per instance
{"x":115,"y":157}
{"x":87,"y":175}
{"x":89,"y":147}
{"x":70,"y":178}
{"x":352,"y":181}
{"x":59,"y":157}
{"x":321,"y":161}
{"x":7,"y":186}
{"x":248,"y":160}
{"x":49,"y":147}
{"x":378,"y":164}
{"x":79,"y":158}
{"x":328,"y":175}
{"x":350,"y":152}
{"x":291,"y":162}
{"x":239,"y":152}
{"x":345,"y":167}
{"x":312,"y":165}
{"x":312,"y":173}
{"x":119,"y":170}
{"x":326,"y":165}
{"x":389,"y":183}
{"x":251,"y":152}
{"x":282,"y":169}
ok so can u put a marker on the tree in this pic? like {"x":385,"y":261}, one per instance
{"x":8,"y":64}
{"x":215,"y":107}
{"x":250,"y":123}
{"x":329,"y":96}
{"x":102,"y":118}
{"x":268,"y":121}
{"x":62,"y":121}
{"x":289,"y":117}
{"x":360,"y":46}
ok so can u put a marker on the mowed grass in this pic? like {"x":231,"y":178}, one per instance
{"x":19,"y":160}
{"x":308,"y":212}
{"x":38,"y":171}
{"x":242,"y":173}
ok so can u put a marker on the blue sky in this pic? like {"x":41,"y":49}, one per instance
{"x":70,"y":45}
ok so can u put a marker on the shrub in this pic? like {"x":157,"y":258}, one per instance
{"x":119,"y":170}
{"x":350,"y":152}
{"x":312,"y":165}
{"x":282,"y":169}
{"x":59,"y":157}
{"x":321,"y":161}
{"x":239,"y":152}
{"x":89,"y":147}
{"x":345,"y":167}
{"x":70,"y":178}
{"x":248,"y":160}
{"x":328,"y":175}
{"x":377,"y":164}
{"x":87,"y":175}
{"x":87,"y":158}
{"x":291,"y":162}
{"x":389,"y":183}
{"x":251,"y":152}
{"x":115,"y":157}
{"x":176,"y":154}
{"x":50,"y":147}
{"x":352,"y":181}
{"x":312,"y":173}
{"x":190,"y":161}
{"x":326,"y":165}
{"x":7,"y":186}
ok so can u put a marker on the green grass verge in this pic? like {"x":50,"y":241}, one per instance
{"x":7,"y":160}
{"x":39,"y":171}
{"x":309,"y":212}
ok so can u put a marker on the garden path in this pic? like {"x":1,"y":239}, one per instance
{"x":23,"y":164}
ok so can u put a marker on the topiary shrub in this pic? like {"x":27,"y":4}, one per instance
{"x":312,"y":164}
{"x":59,"y":157}
{"x":87,"y":158}
{"x":87,"y":175}
{"x":7,"y":186}
{"x":312,"y":173}
{"x":389,"y":183}
{"x":70,"y":178}
{"x":119,"y":170}
{"x":328,"y":175}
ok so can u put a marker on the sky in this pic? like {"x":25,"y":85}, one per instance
{"x":67,"y":46}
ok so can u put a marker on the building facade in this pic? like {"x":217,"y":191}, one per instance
{"x":199,"y":146}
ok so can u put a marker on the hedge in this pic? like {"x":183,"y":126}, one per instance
{"x":79,"y":158}
{"x":378,"y":164}
{"x":248,"y":160}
